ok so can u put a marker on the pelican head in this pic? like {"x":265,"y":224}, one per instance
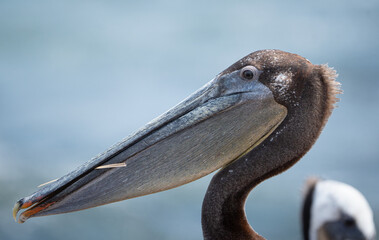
{"x":334,"y":210}
{"x":253,"y":120}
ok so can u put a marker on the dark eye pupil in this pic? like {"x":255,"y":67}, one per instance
{"x":248,"y":74}
{"x":349,"y":222}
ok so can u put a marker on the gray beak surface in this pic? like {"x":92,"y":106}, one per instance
{"x":214,"y":126}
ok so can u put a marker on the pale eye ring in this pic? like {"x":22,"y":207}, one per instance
{"x":249,"y":73}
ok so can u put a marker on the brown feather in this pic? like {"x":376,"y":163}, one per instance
{"x":309,"y":93}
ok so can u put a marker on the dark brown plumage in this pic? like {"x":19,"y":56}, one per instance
{"x":254,"y":120}
{"x":309,"y":99}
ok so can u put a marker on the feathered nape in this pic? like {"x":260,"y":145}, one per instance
{"x":333,"y":88}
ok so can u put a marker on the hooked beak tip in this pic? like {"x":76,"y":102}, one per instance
{"x":20,"y":204}
{"x":16,"y":209}
{"x":32,"y":208}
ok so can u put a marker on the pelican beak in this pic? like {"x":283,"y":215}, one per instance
{"x":211,"y":128}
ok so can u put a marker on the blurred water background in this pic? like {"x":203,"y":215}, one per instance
{"x":78,"y":76}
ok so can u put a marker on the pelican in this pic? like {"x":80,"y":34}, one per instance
{"x":333,"y":210}
{"x":252,"y":121}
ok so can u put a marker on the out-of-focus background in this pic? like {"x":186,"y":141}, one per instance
{"x":78,"y":76}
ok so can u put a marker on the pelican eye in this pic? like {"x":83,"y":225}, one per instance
{"x":249,"y":73}
{"x":349,"y":222}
